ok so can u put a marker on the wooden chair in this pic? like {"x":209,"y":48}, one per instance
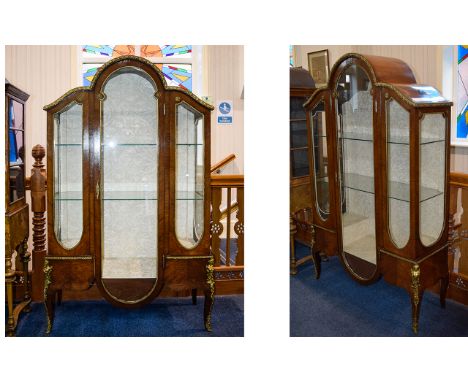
{"x":302,"y":231}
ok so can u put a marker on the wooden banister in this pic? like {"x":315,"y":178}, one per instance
{"x":223,"y":162}
{"x":227,"y":180}
{"x":229,"y":210}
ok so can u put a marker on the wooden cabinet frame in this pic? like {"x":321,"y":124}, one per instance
{"x":415,"y":266}
{"x":80,"y":267}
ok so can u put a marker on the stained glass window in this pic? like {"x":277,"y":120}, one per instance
{"x":166,"y":57}
{"x":177,"y":75}
{"x":462,"y":97}
{"x":89,"y":71}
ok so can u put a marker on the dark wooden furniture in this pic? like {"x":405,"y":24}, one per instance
{"x":128,"y":189}
{"x":16,"y":209}
{"x":301,"y":87}
{"x":382,"y":206}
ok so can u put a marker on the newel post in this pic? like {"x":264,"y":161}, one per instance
{"x":38,"y":185}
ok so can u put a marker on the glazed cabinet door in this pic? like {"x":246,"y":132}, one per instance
{"x":68,"y":168}
{"x":356,"y":115}
{"x":298,"y":138}
{"x":433,"y":169}
{"x":321,"y":161}
{"x":397,"y":185}
{"x":189,"y":185}
{"x":129,"y":187}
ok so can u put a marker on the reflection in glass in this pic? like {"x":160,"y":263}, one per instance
{"x":68,"y":186}
{"x":16,"y":150}
{"x":356,"y":168}
{"x":129,"y":160}
{"x":298,"y":138}
{"x":432,"y":177}
{"x":189,"y":175}
{"x":398,"y":157}
{"x":320,"y":154}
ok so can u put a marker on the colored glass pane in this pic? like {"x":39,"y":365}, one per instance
{"x":89,"y":71}
{"x":291,"y":55}
{"x":107,"y":50}
{"x":462,"y":98}
{"x":177,"y":75}
{"x":176,"y":50}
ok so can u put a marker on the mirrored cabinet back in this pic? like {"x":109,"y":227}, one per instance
{"x":379,"y":181}
{"x":128,"y":196}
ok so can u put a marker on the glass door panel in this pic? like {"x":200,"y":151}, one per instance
{"x":320,"y":159}
{"x":356,"y":170}
{"x":189,"y":176}
{"x":129,"y":179}
{"x":298,"y":138}
{"x":68,"y":175}
{"x":398,"y":165}
{"x":15,"y":150}
{"x":432,"y":177}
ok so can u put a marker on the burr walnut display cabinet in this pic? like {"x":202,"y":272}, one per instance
{"x":380,"y":163}
{"x":128,"y":189}
{"x":16,"y":209}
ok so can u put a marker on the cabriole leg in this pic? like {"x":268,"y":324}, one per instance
{"x":209,"y":294}
{"x":416,"y":296}
{"x":50,"y":310}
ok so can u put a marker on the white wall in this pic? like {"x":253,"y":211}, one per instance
{"x":223,"y":67}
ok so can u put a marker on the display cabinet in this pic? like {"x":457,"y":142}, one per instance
{"x":382,"y":201}
{"x":16,"y":209}
{"x":301,"y":86}
{"x":128,"y":189}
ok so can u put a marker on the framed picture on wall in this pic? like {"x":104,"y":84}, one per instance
{"x":460,"y":69}
{"x":319,"y":67}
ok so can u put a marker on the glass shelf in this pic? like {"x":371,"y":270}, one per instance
{"x":189,"y":195}
{"x":129,"y":195}
{"x":398,"y":191}
{"x":112,"y":145}
{"x":397,"y":140}
{"x":189,"y":144}
{"x":67,"y":144}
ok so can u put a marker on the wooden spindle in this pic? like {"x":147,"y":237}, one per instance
{"x":228,"y":227}
{"x":239,"y":226}
{"x":216,"y":226}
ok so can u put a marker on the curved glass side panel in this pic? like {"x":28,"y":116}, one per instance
{"x":356,"y":170}
{"x":189,"y":220}
{"x":129,"y":174}
{"x":320,"y":158}
{"x":432,"y":177}
{"x":398,"y":165}
{"x":68,"y":175}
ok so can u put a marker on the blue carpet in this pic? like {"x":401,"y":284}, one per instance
{"x":162,"y":318}
{"x":336,"y":305}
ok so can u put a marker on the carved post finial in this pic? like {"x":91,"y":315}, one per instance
{"x":38,"y":153}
